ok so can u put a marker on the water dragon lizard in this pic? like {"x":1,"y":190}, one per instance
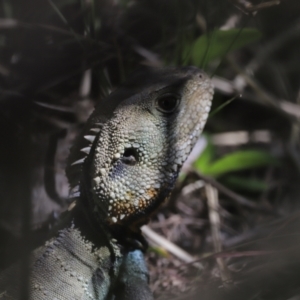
{"x":121,"y":168}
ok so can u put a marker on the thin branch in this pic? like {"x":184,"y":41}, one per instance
{"x":228,"y":88}
{"x":240,"y":200}
{"x":215,"y":224}
{"x":169,"y":246}
{"x":247,"y":7}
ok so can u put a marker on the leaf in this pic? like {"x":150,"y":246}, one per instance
{"x":219,"y":42}
{"x":240,"y":160}
{"x":159,"y":250}
{"x":204,"y":160}
{"x":246,"y":184}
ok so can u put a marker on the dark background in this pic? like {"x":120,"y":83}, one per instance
{"x":58,"y":58}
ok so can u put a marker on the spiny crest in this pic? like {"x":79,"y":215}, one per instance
{"x":77,"y":157}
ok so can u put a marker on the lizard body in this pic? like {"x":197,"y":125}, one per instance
{"x":75,"y":265}
{"x":121,"y":168}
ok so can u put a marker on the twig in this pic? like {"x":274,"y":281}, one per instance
{"x":228,"y":88}
{"x":170,"y":247}
{"x":262,"y":5}
{"x":263,"y":94}
{"x":273,"y":46}
{"x":232,"y":195}
{"x":213,"y":207}
{"x":248,"y":7}
{"x":234,"y":138}
{"x":13,"y":23}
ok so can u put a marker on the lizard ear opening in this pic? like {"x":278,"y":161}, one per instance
{"x":130,"y":157}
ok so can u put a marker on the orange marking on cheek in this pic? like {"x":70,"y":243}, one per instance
{"x":147,"y":199}
{"x":141,"y":203}
{"x":152,"y":193}
{"x":127,"y":208}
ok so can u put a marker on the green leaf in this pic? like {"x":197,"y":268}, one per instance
{"x":219,"y":42}
{"x":204,"y":160}
{"x":245,"y":184}
{"x":158,"y":250}
{"x":240,"y":160}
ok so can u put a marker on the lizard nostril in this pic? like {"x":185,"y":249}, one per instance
{"x":130,"y":157}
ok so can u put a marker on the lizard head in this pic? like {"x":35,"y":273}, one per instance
{"x":136,"y":141}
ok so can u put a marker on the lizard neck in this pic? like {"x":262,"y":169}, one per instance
{"x":94,"y":229}
{"x":85,"y":221}
{"x":77,"y":262}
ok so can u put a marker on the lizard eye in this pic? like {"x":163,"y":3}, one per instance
{"x":167,"y":103}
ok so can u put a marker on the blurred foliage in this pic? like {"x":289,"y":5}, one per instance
{"x":218,"y":43}
{"x":235,"y":161}
{"x":245,"y":184}
{"x":159,"y":251}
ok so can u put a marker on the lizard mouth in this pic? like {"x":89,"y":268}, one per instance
{"x":130,"y":157}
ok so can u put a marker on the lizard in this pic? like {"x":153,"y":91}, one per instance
{"x":120,"y":169}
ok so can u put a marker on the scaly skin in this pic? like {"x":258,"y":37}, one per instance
{"x":121,"y":168}
{"x":79,"y":264}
